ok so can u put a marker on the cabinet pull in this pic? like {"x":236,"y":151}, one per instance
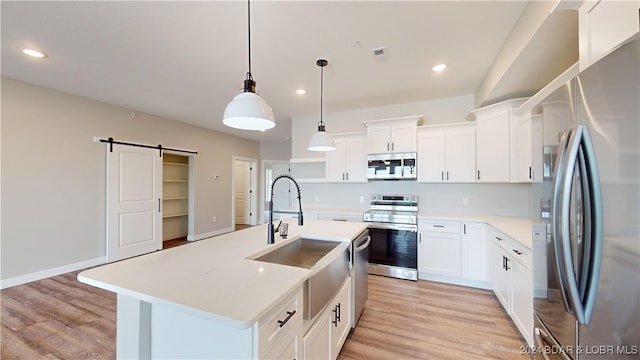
{"x":336,"y":316}
{"x":159,"y":205}
{"x":347,"y":176}
{"x":290,"y":314}
{"x":478,"y":174}
{"x":464,"y":229}
{"x":530,"y":173}
{"x":517,"y":251}
{"x":447,"y":175}
{"x":442,"y":175}
{"x":498,"y":238}
{"x":506,"y":264}
{"x":339,"y":311}
{"x":392,"y":147}
{"x":438,"y":226}
{"x":387,"y":146}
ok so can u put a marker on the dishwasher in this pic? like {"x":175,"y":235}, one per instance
{"x":359,"y":275}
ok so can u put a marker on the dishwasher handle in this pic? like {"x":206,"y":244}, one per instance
{"x":363,"y":246}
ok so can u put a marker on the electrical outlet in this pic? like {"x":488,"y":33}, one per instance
{"x":316,"y":198}
{"x":214,"y":219}
{"x":361,"y":199}
{"x":465,"y":201}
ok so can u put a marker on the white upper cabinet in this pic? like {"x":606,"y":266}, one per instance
{"x":348,"y":162}
{"x":396,"y":135}
{"x":447,"y":153}
{"x":603,"y":25}
{"x":528,"y":149}
{"x":493,"y":141}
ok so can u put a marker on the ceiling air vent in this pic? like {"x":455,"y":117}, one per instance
{"x":380,"y":54}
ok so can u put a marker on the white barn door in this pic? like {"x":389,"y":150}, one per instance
{"x":134,"y":192}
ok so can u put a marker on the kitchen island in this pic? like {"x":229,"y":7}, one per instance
{"x":209,"y":299}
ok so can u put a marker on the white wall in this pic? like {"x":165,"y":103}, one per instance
{"x":275,"y":151}
{"x":53,"y":174}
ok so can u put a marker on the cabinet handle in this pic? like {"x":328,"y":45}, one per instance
{"x":347,"y":176}
{"x":478,"y":174}
{"x":392,"y":146}
{"x":387,"y":146}
{"x":336,"y":315}
{"x":498,"y":238}
{"x":438,"y":226}
{"x":442,"y":175}
{"x":290,"y":314}
{"x":530,"y":173}
{"x":517,"y":251}
{"x":464,"y":229}
{"x":447,"y":175}
{"x":158,"y":204}
{"x":506,"y":264}
{"x":420,"y":238}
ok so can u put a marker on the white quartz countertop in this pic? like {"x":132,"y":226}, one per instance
{"x":517,"y":228}
{"x":215,"y":278}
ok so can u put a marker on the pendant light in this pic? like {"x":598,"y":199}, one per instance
{"x":247,"y":110}
{"x":321,"y":141}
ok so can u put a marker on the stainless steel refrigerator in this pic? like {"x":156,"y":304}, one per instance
{"x":587,"y":272}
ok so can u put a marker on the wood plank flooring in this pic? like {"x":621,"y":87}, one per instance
{"x":61,"y":318}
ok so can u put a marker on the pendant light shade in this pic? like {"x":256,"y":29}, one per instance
{"x":321,"y":141}
{"x":247,"y":110}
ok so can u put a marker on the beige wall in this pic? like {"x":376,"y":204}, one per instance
{"x":53,"y":174}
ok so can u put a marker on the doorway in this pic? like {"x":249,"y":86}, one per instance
{"x":282,"y":190}
{"x":244,"y":192}
{"x":175,"y":197}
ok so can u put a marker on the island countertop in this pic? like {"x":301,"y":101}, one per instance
{"x":215,"y":278}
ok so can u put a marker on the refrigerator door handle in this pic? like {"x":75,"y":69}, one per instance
{"x":581,"y":295}
{"x":591,"y":260}
{"x":559,"y":222}
{"x":565,"y":261}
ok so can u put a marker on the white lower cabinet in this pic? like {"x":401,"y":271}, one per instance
{"x":513,"y":282}
{"x":327,"y":335}
{"x":317,"y":340}
{"x":453,"y":252}
{"x":474,"y":253}
{"x":439,"y":247}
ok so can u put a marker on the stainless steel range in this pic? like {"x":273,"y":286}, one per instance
{"x":393,"y":227}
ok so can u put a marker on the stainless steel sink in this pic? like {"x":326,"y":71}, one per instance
{"x":323,"y":284}
{"x":301,"y":253}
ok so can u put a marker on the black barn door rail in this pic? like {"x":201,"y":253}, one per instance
{"x":159,"y":147}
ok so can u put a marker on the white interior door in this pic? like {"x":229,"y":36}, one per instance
{"x":134,"y":214}
{"x":242,"y":192}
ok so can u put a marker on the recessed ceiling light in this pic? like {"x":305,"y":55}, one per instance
{"x":301,"y":91}
{"x":439,"y":67}
{"x":33,"y":53}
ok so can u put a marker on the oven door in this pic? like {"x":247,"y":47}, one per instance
{"x":393,"y":250}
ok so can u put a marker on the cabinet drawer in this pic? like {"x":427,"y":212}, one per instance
{"x":281,"y":323}
{"x":521,"y":254}
{"x":452,"y":227}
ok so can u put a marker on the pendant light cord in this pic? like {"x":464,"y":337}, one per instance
{"x":249,"y":76}
{"x":321,"y":92}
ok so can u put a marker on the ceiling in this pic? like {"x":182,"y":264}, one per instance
{"x":186,"y":60}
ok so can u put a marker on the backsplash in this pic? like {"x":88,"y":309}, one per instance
{"x":490,"y":199}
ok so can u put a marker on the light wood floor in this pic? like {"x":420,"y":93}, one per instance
{"x":61,"y":318}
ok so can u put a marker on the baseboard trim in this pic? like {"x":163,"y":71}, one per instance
{"x":453,"y":280}
{"x":209,"y":234}
{"x":43,"y":274}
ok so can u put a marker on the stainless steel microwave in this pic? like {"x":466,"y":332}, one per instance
{"x":391,"y":166}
